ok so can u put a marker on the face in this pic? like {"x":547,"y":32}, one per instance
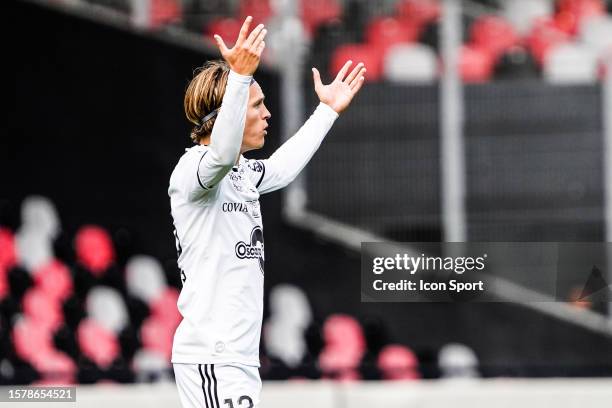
{"x":256,"y":120}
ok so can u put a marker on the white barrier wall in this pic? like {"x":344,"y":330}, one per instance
{"x":501,"y":393}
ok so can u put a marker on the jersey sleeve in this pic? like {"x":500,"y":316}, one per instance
{"x":288,"y":160}
{"x":227,"y":132}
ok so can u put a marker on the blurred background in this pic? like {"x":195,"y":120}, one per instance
{"x":483,"y":121}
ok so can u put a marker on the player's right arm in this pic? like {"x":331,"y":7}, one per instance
{"x":226,"y":137}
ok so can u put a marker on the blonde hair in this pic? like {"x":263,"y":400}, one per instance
{"x":204,"y":95}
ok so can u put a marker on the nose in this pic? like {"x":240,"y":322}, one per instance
{"x":266,"y":113}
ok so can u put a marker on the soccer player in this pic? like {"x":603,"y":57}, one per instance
{"x":214,"y":194}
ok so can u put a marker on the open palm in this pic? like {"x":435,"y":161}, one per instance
{"x":339,"y":94}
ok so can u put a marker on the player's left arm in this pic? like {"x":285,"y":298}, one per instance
{"x":289,"y":159}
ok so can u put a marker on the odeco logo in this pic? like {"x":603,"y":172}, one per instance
{"x":254,"y":249}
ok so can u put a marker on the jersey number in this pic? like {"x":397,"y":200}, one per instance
{"x":244,"y":398}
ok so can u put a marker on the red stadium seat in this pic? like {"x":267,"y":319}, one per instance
{"x":156,"y":335}
{"x":475,"y":64}
{"x":165,"y":12}
{"x":8,"y":252}
{"x":42,"y":309}
{"x":55,"y":280}
{"x":97,"y":343}
{"x":8,"y":259}
{"x":397,"y":362}
{"x":544,"y":36}
{"x":419,"y":12}
{"x":94,"y":249}
{"x":55,"y":367}
{"x":384,"y":32}
{"x":227,"y":28}
{"x":260,"y":10}
{"x":4,"y":286}
{"x":370,"y":56}
{"x":165,"y":309}
{"x":571,"y":13}
{"x":494,"y":34}
{"x":344,"y":347}
{"x":31,"y":339}
{"x":316,"y":12}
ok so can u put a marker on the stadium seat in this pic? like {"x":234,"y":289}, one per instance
{"x":105,"y":306}
{"x":523,"y":13}
{"x":39,"y":228}
{"x":494,"y":34}
{"x":55,"y":280}
{"x":4,"y":285}
{"x":596,"y":33}
{"x":55,"y":367}
{"x":344,"y":348}
{"x":42,"y":309}
{"x":290,"y":317}
{"x":8,"y":253}
{"x":145,"y":278}
{"x":369,"y":55}
{"x":545,"y":36}
{"x":398,"y":362}
{"x":164,"y":308}
{"x":227,"y":28}
{"x":151,"y":366}
{"x":416,"y":63}
{"x":457,"y":361}
{"x":165,"y":12}
{"x":475,"y":64}
{"x":156,"y":336}
{"x":94,"y":249}
{"x":317,"y":12}
{"x":97,"y":343}
{"x":418,"y":12}
{"x":571,"y":13}
{"x":8,"y":259}
{"x":571,"y":64}
{"x":385,"y":32}
{"x":31,"y":338}
{"x":260,"y":10}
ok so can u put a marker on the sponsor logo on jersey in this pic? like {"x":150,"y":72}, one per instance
{"x":254,"y":249}
{"x":235,"y":207}
{"x":256,"y":166}
{"x":248,"y":207}
{"x":236,"y":177}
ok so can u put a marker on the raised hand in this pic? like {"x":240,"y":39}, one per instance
{"x":243,"y":58}
{"x":339,"y":94}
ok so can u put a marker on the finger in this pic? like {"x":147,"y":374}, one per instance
{"x":359,"y":83}
{"x":316,"y":77}
{"x":260,"y":48}
{"x":356,"y":79}
{"x":244,"y":30}
{"x":249,"y":41}
{"x":221,"y":44}
{"x":343,"y":70}
{"x":259,"y":39}
{"x":353,"y":73}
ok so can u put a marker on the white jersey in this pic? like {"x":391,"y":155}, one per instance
{"x":219,"y":231}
